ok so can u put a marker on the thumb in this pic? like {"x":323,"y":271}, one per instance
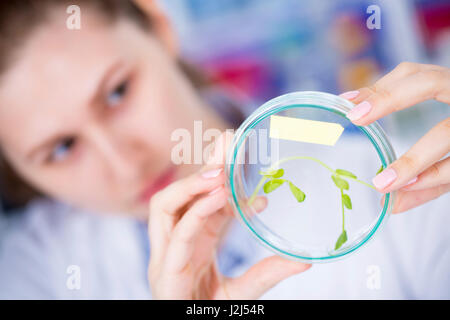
{"x":263,"y":276}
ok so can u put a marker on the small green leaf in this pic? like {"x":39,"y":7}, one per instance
{"x":341,"y":240}
{"x":343,"y":172}
{"x":380,"y":170}
{"x":298,"y":194}
{"x":272,"y":173}
{"x":340,"y":183}
{"x":278,"y":174}
{"x":273,"y":184}
{"x":347,"y":201}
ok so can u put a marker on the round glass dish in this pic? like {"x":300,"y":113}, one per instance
{"x":305,"y":199}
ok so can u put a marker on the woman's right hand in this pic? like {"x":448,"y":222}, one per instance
{"x":186,"y":223}
{"x":421,"y":174}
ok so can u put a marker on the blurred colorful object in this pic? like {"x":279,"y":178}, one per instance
{"x":434,"y":19}
{"x":267,"y":48}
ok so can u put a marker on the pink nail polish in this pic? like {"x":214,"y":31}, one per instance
{"x":359,"y":111}
{"x":384,"y":179}
{"x":215,"y":190}
{"x":410,"y":182}
{"x":211,"y":174}
{"x":349,"y":94}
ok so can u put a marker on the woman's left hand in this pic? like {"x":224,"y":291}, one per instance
{"x":187,"y":223}
{"x":421,"y":174}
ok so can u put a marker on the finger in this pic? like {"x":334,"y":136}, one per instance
{"x":429,"y":149}
{"x":183,"y":191}
{"x":216,"y":224}
{"x":179,"y":193}
{"x":407,"y":200}
{"x":221,"y":146}
{"x":437,"y":174}
{"x":220,"y":222}
{"x":259,"y":204}
{"x":383,"y":100}
{"x":185,"y":233}
{"x":400,"y":71}
{"x":206,"y":217}
{"x":164,"y":206}
{"x":263,"y":276}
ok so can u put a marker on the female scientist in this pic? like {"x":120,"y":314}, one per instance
{"x":85,"y":124}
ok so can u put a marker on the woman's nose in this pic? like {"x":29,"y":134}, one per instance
{"x":115,"y":155}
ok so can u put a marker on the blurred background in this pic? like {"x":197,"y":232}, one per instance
{"x":259,"y":49}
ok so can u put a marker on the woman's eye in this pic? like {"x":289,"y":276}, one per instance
{"x":116,"y":96}
{"x":62,"y":150}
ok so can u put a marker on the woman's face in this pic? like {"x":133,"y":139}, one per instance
{"x":86,"y":115}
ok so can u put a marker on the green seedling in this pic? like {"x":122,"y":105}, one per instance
{"x":381,"y":169}
{"x":275,"y":182}
{"x":272,"y":180}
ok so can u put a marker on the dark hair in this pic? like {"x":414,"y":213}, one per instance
{"x":18,"y":19}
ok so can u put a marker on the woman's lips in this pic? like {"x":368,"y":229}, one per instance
{"x":160,"y":183}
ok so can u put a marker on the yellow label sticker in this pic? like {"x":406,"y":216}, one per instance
{"x":303,"y":130}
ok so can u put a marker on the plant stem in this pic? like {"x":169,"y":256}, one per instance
{"x":276,"y":164}
{"x":362,"y":182}
{"x":343,"y":216}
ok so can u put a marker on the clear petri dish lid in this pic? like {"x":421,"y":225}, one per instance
{"x":299,"y":174}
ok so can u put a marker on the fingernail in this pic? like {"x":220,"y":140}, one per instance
{"x":215,"y":190}
{"x":359,"y":111}
{"x":385,"y":178}
{"x":211,"y":174}
{"x":349,"y":94}
{"x":260,"y":204}
{"x":410,"y":182}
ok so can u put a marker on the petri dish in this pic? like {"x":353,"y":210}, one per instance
{"x":299,"y":174}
